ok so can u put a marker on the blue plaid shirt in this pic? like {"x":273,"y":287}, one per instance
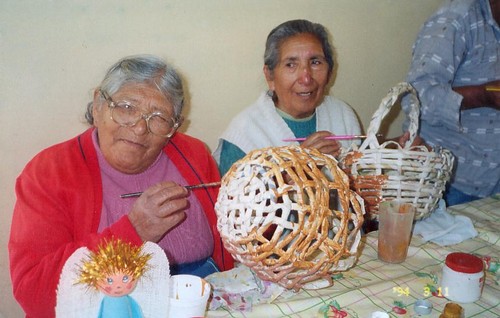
{"x":460,"y":46}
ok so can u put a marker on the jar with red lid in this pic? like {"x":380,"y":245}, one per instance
{"x":463,"y":277}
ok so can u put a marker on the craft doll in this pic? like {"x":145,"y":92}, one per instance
{"x":114,"y":269}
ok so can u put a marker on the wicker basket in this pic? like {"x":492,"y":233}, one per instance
{"x":388,"y":171}
{"x":289,"y":215}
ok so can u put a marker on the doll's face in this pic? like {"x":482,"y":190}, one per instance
{"x":117,"y":284}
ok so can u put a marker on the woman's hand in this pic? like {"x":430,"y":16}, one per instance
{"x":326,"y":146}
{"x":418,"y":141}
{"x":483,"y":95}
{"x":158,"y":210}
{"x":492,"y":94}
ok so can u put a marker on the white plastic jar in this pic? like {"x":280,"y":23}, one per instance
{"x":463,"y":277}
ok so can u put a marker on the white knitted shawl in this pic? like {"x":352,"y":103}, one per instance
{"x":260,"y":126}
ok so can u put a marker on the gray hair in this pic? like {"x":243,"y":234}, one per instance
{"x":143,"y":69}
{"x":291,"y":28}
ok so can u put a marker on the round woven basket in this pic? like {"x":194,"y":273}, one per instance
{"x":387,"y":171}
{"x":289,"y":215}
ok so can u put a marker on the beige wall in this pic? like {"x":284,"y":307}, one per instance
{"x":54,"y":52}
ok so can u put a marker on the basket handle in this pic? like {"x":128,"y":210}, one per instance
{"x":392,"y":97}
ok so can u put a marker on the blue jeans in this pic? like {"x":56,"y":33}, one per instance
{"x":201,"y":268}
{"x":453,"y":196}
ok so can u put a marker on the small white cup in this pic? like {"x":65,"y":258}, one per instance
{"x":188,"y":296}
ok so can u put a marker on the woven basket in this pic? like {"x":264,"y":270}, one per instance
{"x":289,"y":215}
{"x":388,"y":171}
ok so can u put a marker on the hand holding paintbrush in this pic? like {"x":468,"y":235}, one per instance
{"x":322,"y":141}
{"x":325,"y":142}
{"x":158,"y":210}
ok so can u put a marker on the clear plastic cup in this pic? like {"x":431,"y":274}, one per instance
{"x":394,"y":230}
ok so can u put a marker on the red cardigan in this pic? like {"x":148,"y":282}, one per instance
{"x":58,"y":209}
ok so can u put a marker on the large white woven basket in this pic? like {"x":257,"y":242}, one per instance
{"x":289,"y":215}
{"x":388,"y":171}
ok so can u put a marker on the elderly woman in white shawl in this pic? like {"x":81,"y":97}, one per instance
{"x":298,"y":64}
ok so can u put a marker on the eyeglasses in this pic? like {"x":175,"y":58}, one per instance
{"x":128,"y":115}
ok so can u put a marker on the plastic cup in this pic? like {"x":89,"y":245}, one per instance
{"x":394,"y":230}
{"x":188,"y":296}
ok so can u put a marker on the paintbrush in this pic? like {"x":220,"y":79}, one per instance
{"x":493,"y":88}
{"x":189,"y":187}
{"x":336,"y":137}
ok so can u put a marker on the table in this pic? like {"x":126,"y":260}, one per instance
{"x":372,"y":285}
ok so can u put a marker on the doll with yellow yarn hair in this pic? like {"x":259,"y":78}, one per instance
{"x":114,"y":269}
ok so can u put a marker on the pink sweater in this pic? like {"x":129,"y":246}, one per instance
{"x":188,"y":242}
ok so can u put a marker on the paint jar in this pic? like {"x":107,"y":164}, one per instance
{"x":463,"y":277}
{"x":452,"y":310}
{"x":188,"y":296}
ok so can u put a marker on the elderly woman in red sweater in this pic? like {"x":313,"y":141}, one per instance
{"x":68,"y":196}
